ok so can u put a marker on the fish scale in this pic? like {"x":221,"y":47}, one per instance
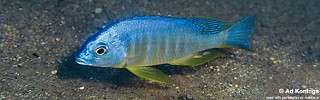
{"x":180,"y":40}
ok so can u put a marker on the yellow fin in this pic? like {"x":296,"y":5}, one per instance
{"x":151,"y":74}
{"x":199,"y":58}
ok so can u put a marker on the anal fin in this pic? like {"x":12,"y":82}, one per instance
{"x":151,"y":74}
{"x":199,"y":58}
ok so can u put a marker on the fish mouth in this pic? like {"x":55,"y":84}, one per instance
{"x":81,"y":61}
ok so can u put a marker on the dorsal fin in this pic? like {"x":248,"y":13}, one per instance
{"x":202,"y":24}
{"x":209,"y":26}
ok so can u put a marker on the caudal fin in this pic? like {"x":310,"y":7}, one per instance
{"x":239,"y":34}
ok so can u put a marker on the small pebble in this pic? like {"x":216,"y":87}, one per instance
{"x":19,"y":65}
{"x":54,"y":72}
{"x":223,"y":66}
{"x":98,"y":10}
{"x":271,"y":58}
{"x":211,"y":67}
{"x":279,"y":61}
{"x":57,"y":39}
{"x":274,"y":62}
{"x":62,"y":22}
{"x":232,"y":56}
{"x":81,"y":88}
{"x":304,"y":86}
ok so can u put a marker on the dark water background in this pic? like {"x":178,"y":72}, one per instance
{"x":38,"y":40}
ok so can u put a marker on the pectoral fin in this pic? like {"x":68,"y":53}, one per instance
{"x":199,"y":58}
{"x":151,"y":73}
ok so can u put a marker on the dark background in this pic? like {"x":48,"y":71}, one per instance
{"x":38,"y":41}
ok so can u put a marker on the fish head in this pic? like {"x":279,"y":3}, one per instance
{"x":102,"y":50}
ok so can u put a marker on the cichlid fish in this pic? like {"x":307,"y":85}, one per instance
{"x":140,"y":42}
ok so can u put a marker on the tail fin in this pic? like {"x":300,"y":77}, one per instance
{"x":240,"y":33}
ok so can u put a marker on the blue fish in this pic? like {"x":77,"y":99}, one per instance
{"x":140,"y":42}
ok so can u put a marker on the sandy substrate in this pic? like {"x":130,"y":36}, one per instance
{"x":39,"y":39}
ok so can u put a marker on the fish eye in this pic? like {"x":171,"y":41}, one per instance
{"x":101,"y":50}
